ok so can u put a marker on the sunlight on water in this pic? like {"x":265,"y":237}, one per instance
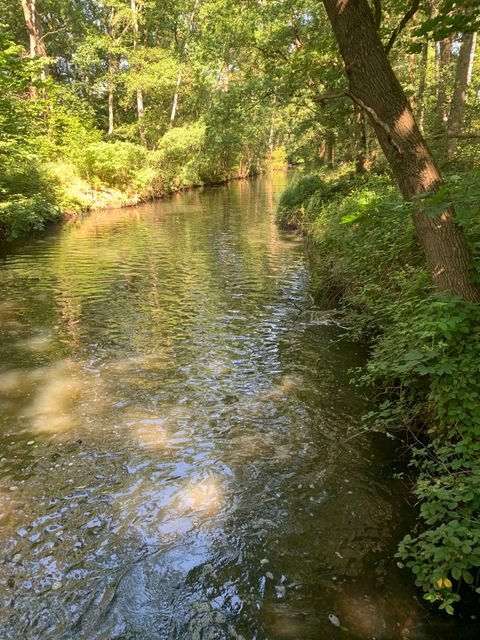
{"x":175,"y":459}
{"x":202,"y":496}
{"x":150,"y":433}
{"x":53,"y":409}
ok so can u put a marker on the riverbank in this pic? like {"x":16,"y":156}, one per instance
{"x":424,"y":356}
{"x":114,"y":175}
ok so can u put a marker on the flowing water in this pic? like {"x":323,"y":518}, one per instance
{"x":175,"y":451}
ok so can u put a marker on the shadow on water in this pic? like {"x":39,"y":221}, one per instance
{"x":175,"y":461}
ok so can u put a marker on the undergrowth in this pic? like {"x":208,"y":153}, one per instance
{"x":424,"y":359}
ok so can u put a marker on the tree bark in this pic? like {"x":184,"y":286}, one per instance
{"x":140,"y":107}
{"x":361,"y":160}
{"x":463,"y":77}
{"x":330,"y":149}
{"x":443,"y":59}
{"x":375,"y":88}
{"x":422,"y":81}
{"x":34,"y":29}
{"x":111,"y":71}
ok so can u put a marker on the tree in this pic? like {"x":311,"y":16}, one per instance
{"x":140,"y":107}
{"x":463,"y":78}
{"x":33,"y":25}
{"x":374,"y":87}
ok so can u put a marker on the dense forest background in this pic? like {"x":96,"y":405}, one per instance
{"x":105,"y":103}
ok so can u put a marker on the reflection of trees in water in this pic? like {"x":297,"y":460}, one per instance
{"x":186,"y":475}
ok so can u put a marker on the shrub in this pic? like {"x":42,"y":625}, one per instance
{"x":114,"y":164}
{"x":21,"y":214}
{"x":424,"y":360}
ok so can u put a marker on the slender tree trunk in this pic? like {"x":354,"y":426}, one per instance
{"x":463,"y":77}
{"x":330,"y":149}
{"x":375,"y":88}
{"x":34,"y":29}
{"x":140,"y":107}
{"x":422,"y":81}
{"x":111,"y":71}
{"x":443,"y":59}
{"x":191,"y":18}
{"x":173,"y":112}
{"x":361,"y":160}
{"x":322,"y":150}
{"x":271,"y":135}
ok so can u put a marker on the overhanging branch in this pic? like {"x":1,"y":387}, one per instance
{"x":402,"y":24}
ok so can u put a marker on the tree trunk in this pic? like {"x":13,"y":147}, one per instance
{"x":191,"y":18}
{"x":173,"y":112}
{"x":463,"y":77}
{"x":361,"y":160}
{"x":330,"y":149}
{"x":34,"y":29}
{"x":111,"y":70}
{"x":443,"y":59}
{"x":375,"y":88}
{"x":140,"y":107}
{"x":422,"y":81}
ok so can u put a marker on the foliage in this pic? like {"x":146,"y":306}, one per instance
{"x":424,"y":360}
{"x":295,"y":199}
{"x":112,"y":163}
{"x":22,"y":214}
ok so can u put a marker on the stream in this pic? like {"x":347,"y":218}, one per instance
{"x":176,"y":459}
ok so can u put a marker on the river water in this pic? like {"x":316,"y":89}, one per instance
{"x":176,"y":460}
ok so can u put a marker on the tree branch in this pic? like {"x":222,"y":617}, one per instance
{"x":51,"y":33}
{"x":402,"y":24}
{"x":378,"y":121}
{"x":377,"y":13}
{"x":326,"y":97}
{"x":464,"y":136}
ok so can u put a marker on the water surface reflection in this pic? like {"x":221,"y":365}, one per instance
{"x":174,"y":462}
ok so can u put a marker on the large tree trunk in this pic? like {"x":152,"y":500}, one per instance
{"x":463,"y":77}
{"x":375,"y":88}
{"x":34,"y":28}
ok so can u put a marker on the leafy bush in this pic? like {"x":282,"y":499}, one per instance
{"x":112,"y":163}
{"x":432,"y":356}
{"x":21,"y":214}
{"x":424,"y":361}
{"x":176,"y":162}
